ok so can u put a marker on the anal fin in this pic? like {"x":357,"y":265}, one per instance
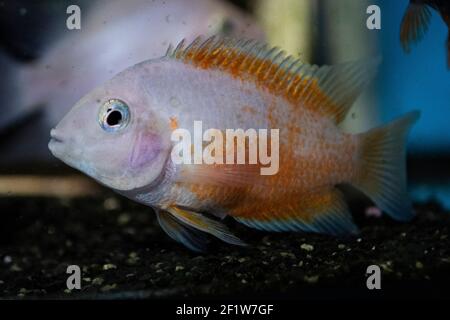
{"x":321,"y":212}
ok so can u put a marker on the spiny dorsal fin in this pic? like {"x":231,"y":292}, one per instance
{"x":327,"y":90}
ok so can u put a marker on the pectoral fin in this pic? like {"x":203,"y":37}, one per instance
{"x":221,"y":174}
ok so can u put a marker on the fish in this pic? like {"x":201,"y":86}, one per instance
{"x":416,"y":21}
{"x":114,"y":35}
{"x":120,"y":134}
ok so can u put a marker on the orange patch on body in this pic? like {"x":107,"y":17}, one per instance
{"x":249,"y":109}
{"x":266,"y":74}
{"x":173,"y":123}
{"x":286,"y":193}
{"x":279,"y":196}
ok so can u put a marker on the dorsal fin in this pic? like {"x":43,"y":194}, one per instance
{"x":327,"y":90}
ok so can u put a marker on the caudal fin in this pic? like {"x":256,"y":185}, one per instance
{"x":382,"y":166}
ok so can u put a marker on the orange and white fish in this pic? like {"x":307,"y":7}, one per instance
{"x":120,"y":134}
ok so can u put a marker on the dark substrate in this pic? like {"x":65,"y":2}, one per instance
{"x":123,"y":253}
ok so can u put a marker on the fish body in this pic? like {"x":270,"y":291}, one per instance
{"x":114,"y":35}
{"x":237,"y":84}
{"x":416,"y":21}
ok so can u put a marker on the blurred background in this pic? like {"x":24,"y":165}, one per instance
{"x":46,"y":68}
{"x":53,"y":216}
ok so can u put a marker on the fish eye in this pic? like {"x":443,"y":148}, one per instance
{"x":114,"y":115}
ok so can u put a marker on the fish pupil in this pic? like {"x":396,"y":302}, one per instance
{"x":114,"y":118}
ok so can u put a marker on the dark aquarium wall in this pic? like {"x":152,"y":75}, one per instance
{"x":95,"y":209}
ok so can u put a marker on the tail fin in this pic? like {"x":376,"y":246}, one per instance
{"x":382,"y":169}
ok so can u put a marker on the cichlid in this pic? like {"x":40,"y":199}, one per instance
{"x":417,"y":19}
{"x":120,"y":135}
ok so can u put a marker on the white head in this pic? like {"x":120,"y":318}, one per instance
{"x":114,"y":134}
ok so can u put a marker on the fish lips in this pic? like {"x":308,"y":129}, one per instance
{"x":56,"y":142}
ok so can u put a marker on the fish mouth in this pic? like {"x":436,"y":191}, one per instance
{"x":56,"y":142}
{"x":55,"y":138}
